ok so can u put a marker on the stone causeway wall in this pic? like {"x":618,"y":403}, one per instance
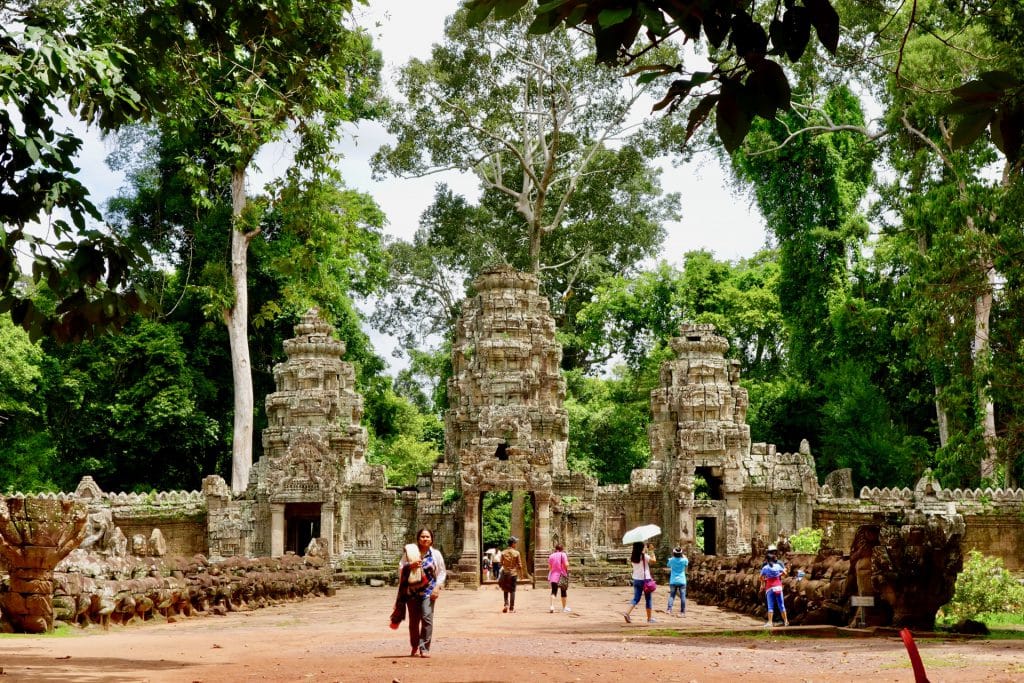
{"x":993,"y":518}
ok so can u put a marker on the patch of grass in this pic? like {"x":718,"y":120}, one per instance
{"x":929,"y":661}
{"x":59,"y":631}
{"x":996,"y":619}
{"x":1005,"y":634}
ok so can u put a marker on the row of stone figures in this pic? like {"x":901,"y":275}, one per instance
{"x":48,"y":579}
{"x":179,"y":587}
{"x":908,"y":571}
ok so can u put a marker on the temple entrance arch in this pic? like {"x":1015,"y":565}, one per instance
{"x":302,"y":525}
{"x":707,"y":535}
{"x":504,"y":513}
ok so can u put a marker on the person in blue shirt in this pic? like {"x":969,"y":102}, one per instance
{"x":772,"y":573}
{"x":677,"y":564}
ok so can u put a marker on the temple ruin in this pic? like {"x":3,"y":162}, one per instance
{"x":506,"y":429}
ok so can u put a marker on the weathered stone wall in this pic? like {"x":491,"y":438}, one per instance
{"x":993,"y":518}
{"x":180,"y":517}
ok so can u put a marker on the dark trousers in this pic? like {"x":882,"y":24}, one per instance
{"x":509,"y":591}
{"x":421,"y":622}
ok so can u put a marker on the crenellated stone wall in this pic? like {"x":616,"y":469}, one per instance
{"x":993,"y":518}
{"x":180,"y":517}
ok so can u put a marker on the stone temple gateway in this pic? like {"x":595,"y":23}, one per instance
{"x":507,"y":430}
{"x":313,"y":491}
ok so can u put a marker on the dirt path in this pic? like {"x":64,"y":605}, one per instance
{"x":345,"y":638}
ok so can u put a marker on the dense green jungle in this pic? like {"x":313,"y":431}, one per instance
{"x":883,"y":319}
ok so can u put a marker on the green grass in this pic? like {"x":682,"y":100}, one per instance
{"x":929,"y":662}
{"x":59,"y":631}
{"x":998,"y":619}
{"x":993,"y":620}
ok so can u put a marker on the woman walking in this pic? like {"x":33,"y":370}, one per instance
{"x":558,"y":576}
{"x":641,"y":575}
{"x":423,"y":574}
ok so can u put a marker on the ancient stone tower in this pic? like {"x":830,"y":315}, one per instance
{"x":506,"y":428}
{"x":314,"y":447}
{"x":699,"y":430}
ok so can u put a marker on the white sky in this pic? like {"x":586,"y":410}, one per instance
{"x":713,"y":217}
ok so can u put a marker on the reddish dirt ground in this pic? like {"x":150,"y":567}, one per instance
{"x":346,"y":638}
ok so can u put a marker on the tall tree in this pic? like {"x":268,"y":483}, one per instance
{"x":808,"y":190}
{"x":566,"y":191}
{"x":319,"y":243}
{"x":742,"y":40}
{"x":244,"y":74}
{"x":950,"y":212}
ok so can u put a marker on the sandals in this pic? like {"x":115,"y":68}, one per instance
{"x":626,"y":617}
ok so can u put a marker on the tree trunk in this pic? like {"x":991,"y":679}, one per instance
{"x":535,"y":234}
{"x":942,"y":417}
{"x":982,"y":364}
{"x":237,"y":320}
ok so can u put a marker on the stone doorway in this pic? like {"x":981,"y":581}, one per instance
{"x":707,"y":534}
{"x":302,"y":525}
{"x":503,"y":514}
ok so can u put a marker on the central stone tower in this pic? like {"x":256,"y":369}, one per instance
{"x":506,"y":429}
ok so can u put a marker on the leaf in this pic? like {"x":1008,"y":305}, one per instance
{"x":977,"y":90}
{"x":1008,"y":133}
{"x":971,"y":106}
{"x":796,"y":24}
{"x":716,"y":27}
{"x":478,"y":10}
{"x":612,"y":17}
{"x":1000,"y":80}
{"x":732,"y":120}
{"x":678,"y":89}
{"x":508,"y":8}
{"x":826,"y":23}
{"x":970,"y":129}
{"x":748,"y":37}
{"x":699,"y":114}
{"x":768,"y":89}
{"x":543,"y":23}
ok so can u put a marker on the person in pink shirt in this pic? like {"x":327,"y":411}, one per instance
{"x":558,"y":576}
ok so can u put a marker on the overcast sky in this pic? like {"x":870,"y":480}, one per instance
{"x":713,"y":216}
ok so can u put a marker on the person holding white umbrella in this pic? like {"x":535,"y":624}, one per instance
{"x":643,"y":583}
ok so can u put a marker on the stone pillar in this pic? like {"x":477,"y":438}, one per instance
{"x":277,"y":529}
{"x":517,"y":526}
{"x":35,"y":534}
{"x":542,"y":523}
{"x":327,"y":526}
{"x":469,"y":561}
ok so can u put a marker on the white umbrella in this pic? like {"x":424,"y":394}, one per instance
{"x":641,"y":533}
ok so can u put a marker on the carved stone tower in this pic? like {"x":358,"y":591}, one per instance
{"x":506,"y":429}
{"x":314,"y":446}
{"x":699,"y":429}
